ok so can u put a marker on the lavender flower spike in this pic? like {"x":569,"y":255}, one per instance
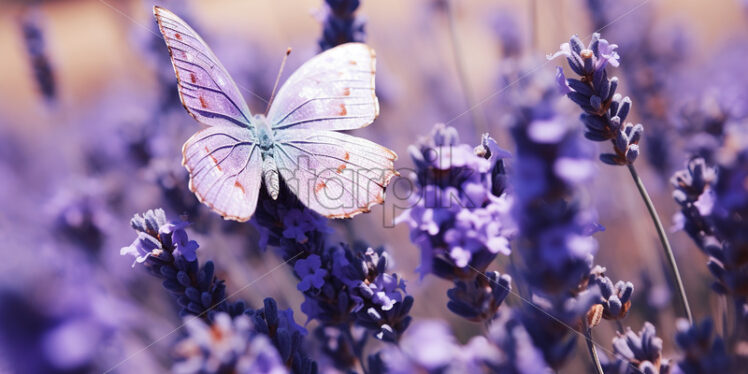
{"x":604,"y":114}
{"x":605,"y":111}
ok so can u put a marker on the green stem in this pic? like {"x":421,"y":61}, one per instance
{"x":663,"y":240}
{"x":591,"y":346}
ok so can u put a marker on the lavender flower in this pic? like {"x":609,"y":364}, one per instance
{"x":33,"y":35}
{"x":554,"y":228}
{"x":654,"y":52}
{"x":167,"y":253}
{"x":713,"y":211}
{"x":615,"y":300}
{"x":638,"y":353}
{"x":344,"y":287}
{"x":340,"y":24}
{"x":519,"y":353}
{"x":356,"y":289}
{"x":701,"y":352}
{"x":226,"y":345}
{"x":459,"y":220}
{"x":605,"y":111}
{"x":285,"y":334}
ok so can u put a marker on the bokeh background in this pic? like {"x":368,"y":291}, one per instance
{"x":102,"y":142}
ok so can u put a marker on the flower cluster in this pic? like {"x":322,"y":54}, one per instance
{"x":340,"y":24}
{"x":605,"y":111}
{"x":615,"y":299}
{"x":638,"y":353}
{"x":165,"y":250}
{"x":167,"y":253}
{"x":701,"y":352}
{"x":346,"y":285}
{"x":226,"y":345}
{"x":458,"y":218}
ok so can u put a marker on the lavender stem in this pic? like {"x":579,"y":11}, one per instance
{"x":591,"y":346}
{"x":663,"y":239}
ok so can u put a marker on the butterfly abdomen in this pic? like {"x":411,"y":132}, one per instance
{"x":271,"y":177}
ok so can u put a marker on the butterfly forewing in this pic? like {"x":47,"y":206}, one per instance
{"x":332,"y":91}
{"x":205,"y":88}
{"x":335,"y":174}
{"x":225,"y":168}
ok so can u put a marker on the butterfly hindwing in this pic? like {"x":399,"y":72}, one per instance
{"x":332,"y":91}
{"x":225,"y":169}
{"x":207,"y":91}
{"x":337,"y":175}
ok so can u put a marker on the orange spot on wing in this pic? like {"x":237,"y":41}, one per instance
{"x":319,"y":186}
{"x":347,"y":156}
{"x":343,"y":111}
{"x":347,"y":91}
{"x":193,"y":78}
{"x":178,"y":36}
{"x":215,"y":160}
{"x":239,"y":186}
{"x":341,"y":168}
{"x":203,"y":103}
{"x":353,"y":62}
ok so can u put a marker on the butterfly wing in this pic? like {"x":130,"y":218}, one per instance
{"x":332,"y":91}
{"x":225,"y":169}
{"x":337,"y":175}
{"x":205,"y":88}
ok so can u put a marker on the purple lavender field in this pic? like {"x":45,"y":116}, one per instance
{"x":572,"y":193}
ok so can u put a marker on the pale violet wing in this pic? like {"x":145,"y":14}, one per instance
{"x":225,"y":168}
{"x":205,"y":88}
{"x":335,"y":174}
{"x":332,"y":91}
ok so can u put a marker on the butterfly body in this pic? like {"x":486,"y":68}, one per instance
{"x":335,"y":174}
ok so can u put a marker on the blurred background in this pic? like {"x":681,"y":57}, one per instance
{"x":91,"y":131}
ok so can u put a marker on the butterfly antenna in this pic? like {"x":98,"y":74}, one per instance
{"x":277,"y":79}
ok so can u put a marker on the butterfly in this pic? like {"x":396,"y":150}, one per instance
{"x":335,"y":174}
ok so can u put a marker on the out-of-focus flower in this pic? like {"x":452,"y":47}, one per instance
{"x":32,"y":24}
{"x":605,"y":111}
{"x":285,"y":334}
{"x":638,"y":353}
{"x":340,"y":24}
{"x":225,"y":345}
{"x":519,"y":354}
{"x":714,"y":208}
{"x":702,"y":353}
{"x":509,"y":33}
{"x":554,"y":227}
{"x":429,"y":347}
